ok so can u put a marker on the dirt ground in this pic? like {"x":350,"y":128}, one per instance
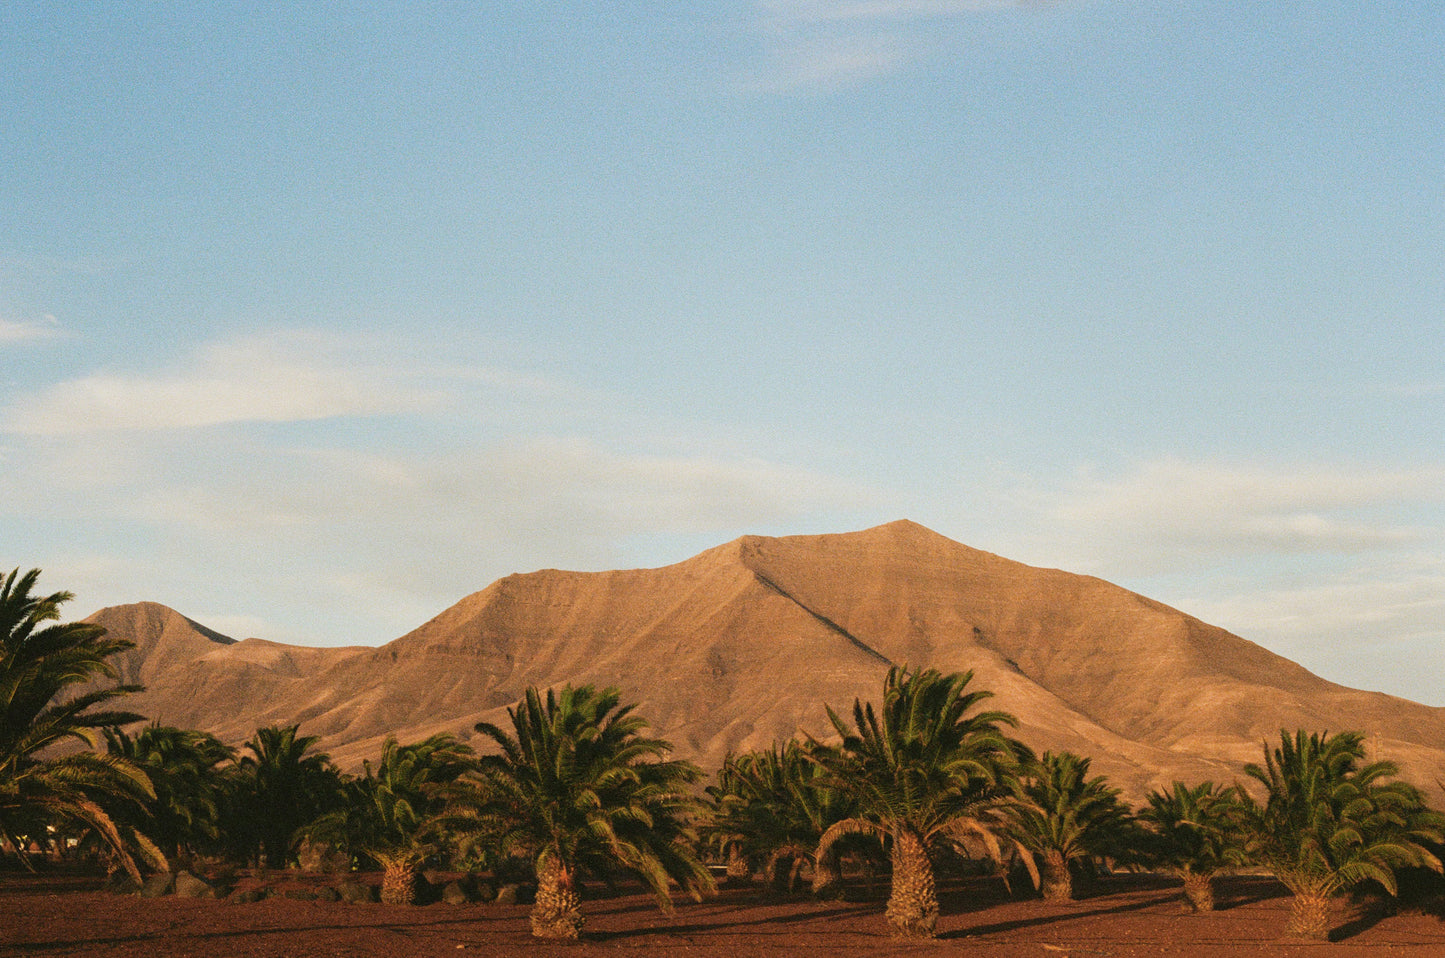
{"x":59,"y":915}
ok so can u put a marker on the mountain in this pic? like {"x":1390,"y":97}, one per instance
{"x":747,"y":642}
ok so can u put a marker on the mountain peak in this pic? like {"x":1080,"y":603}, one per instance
{"x":747,"y":643}
{"x":164,"y":638}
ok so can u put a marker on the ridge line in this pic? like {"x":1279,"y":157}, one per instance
{"x":829,"y":623}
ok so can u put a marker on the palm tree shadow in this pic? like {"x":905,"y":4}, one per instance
{"x":1360,"y":922}
{"x":699,"y":927}
{"x":1006,"y":926}
{"x":238,"y":934}
{"x":1248,"y":890}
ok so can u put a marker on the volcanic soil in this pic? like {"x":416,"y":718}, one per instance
{"x":51,"y":915}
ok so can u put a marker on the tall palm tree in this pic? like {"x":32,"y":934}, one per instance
{"x":38,"y":787}
{"x":1196,"y":833}
{"x":185,"y":770}
{"x":579,"y":789}
{"x":925,"y":768}
{"x":1064,"y":817}
{"x":1331,"y":821}
{"x":390,"y":813}
{"x":280,"y":787}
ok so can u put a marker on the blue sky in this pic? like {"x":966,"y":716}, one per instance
{"x":315,"y":318}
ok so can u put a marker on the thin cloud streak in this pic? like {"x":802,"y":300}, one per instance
{"x":452,"y":496}
{"x":286,"y":377}
{"x":1350,"y":626}
{"x":1403,"y":602}
{"x":820,"y":63}
{"x":17,"y":331}
{"x":821,"y":45}
{"x":832,"y":11}
{"x":1175,"y":510}
{"x":1340,"y":567}
{"x":496,"y":471}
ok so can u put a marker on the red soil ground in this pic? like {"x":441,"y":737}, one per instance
{"x":56,"y":915}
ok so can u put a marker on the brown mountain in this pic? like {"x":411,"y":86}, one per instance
{"x":747,"y":642}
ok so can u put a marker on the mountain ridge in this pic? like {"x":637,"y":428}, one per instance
{"x":747,"y":642}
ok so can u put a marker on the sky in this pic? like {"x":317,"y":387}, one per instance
{"x":315,"y":318}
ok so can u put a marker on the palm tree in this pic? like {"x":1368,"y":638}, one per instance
{"x":1330,"y":822}
{"x":924,"y":769}
{"x":390,"y":813}
{"x":774,"y":805}
{"x":735,"y":820}
{"x":184,"y":767}
{"x":279,"y":788}
{"x":38,"y":787}
{"x":1064,"y":817}
{"x":1196,"y":834}
{"x":579,"y":789}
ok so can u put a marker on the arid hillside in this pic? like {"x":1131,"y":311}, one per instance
{"x":747,"y":642}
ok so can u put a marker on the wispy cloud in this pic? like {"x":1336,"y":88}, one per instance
{"x":1177,"y":508}
{"x":394,"y":537}
{"x":816,"y":45}
{"x":278,"y":377}
{"x":577,"y":488}
{"x":1371,"y":626}
{"x":15,"y":331}
{"x":1338,"y":566}
{"x":872,"y":11}
{"x":1413,"y":390}
{"x":496,"y":471}
{"x":1404,"y":599}
{"x":819,"y":63}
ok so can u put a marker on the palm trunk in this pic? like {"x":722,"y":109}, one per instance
{"x":827,"y":876}
{"x":1309,"y":916}
{"x":913,"y":902}
{"x":557,"y":911}
{"x":739,"y":871}
{"x":398,"y":880}
{"x":1199,"y":891}
{"x":1055,"y":881}
{"x":779,"y":873}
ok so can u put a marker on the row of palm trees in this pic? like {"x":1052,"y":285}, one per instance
{"x":576,"y":788}
{"x":925,"y":776}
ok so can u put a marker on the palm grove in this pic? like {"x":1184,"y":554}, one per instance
{"x":576,"y":791}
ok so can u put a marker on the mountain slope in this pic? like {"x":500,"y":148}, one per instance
{"x":747,"y":643}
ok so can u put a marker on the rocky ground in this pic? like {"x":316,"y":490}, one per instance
{"x":65,"y":915}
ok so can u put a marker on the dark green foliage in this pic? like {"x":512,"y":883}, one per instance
{"x":925,"y":768}
{"x":1330,"y":821}
{"x":274,"y":792}
{"x":39,"y":663}
{"x":1064,"y":818}
{"x":773,"y":806}
{"x":924,"y":760}
{"x":1196,"y":833}
{"x":392,"y":809}
{"x":186,"y":770}
{"x":580,"y":790}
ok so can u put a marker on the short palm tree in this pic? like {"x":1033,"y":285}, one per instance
{"x":1063,"y":817}
{"x":390,"y":814}
{"x":925,"y":768}
{"x":1331,"y":821}
{"x":580,"y":789}
{"x":280,"y":787}
{"x":734,"y":818}
{"x":185,"y":769}
{"x":38,"y":787}
{"x":1196,"y":833}
{"x":773,"y":805}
